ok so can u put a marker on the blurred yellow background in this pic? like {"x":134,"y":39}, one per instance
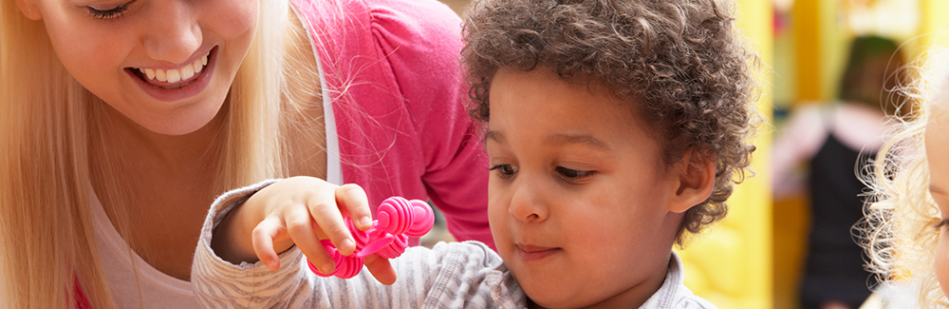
{"x":754,"y":258}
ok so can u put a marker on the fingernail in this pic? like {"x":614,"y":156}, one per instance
{"x":328,"y":268}
{"x":347,"y":243}
{"x":365,"y":221}
{"x":272,"y":265}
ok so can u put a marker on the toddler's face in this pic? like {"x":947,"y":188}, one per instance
{"x":937,"y":146}
{"x":193,"y":49}
{"x":578,"y":193}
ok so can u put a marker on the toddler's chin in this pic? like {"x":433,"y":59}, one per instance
{"x":545,"y":298}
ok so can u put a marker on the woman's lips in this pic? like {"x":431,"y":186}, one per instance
{"x":534,"y":253}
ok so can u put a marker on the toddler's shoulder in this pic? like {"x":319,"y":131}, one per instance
{"x":472,"y":255}
{"x":463,"y":275}
{"x":673,"y":294}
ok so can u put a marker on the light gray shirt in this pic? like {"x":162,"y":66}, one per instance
{"x":450,"y":275}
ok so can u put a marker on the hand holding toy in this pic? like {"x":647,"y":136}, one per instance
{"x":397,"y":220}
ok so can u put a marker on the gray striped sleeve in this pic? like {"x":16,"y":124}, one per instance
{"x":694,"y":302}
{"x":456,"y":275}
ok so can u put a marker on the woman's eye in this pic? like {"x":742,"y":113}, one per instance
{"x":573,"y":175}
{"x":112,"y":13}
{"x":505,"y":170}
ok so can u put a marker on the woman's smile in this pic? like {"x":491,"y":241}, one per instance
{"x":176,"y":83}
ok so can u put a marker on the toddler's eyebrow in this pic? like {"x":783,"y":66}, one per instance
{"x":586,"y":139}
{"x":557,"y":139}
{"x":494,"y":135}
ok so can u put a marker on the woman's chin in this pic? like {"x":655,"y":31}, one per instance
{"x":176,"y":130}
{"x":180,"y":125}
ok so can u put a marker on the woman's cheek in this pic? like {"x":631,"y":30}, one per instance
{"x":238,"y":20}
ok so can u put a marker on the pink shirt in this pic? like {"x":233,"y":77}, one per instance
{"x":398,"y":99}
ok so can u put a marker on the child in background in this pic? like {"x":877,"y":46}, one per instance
{"x":834,"y":140}
{"x":906,"y":227}
{"x":614,"y":130}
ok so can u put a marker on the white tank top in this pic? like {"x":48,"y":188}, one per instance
{"x":120,"y":265}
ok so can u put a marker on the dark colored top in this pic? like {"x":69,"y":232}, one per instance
{"x":834,"y":266}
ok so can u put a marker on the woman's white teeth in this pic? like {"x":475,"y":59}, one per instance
{"x":197,"y":67}
{"x":176,"y":75}
{"x":187,"y":72}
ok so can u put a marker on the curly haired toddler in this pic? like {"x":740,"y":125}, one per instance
{"x":613,"y":129}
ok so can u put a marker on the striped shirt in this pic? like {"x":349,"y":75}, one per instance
{"x":450,"y":275}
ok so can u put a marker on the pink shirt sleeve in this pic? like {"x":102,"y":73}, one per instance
{"x":423,"y":41}
{"x":395,"y":83}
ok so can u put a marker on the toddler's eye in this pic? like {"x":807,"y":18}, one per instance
{"x":112,"y":13}
{"x":505,"y":170}
{"x":573,"y":175}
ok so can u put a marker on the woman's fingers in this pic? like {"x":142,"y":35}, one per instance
{"x":381,"y":269}
{"x":354,"y":200}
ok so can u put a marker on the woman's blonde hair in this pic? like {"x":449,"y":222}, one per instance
{"x":47,"y":124}
{"x":899,"y":230}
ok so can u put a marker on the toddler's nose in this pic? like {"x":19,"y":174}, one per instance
{"x":527,"y":204}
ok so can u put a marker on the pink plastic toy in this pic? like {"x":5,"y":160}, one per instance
{"x":397,"y":220}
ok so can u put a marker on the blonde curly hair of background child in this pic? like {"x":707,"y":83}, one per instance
{"x":899,"y":230}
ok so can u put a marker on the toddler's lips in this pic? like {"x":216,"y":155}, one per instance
{"x":534,"y":253}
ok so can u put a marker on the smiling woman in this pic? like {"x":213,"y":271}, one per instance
{"x":121,"y":120}
{"x":102,"y":43}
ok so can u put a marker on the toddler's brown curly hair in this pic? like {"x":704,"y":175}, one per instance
{"x":681,"y":62}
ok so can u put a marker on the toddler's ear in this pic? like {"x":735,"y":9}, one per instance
{"x":30,"y":9}
{"x":696,"y":179}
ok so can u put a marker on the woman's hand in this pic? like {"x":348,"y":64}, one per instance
{"x":300,"y":211}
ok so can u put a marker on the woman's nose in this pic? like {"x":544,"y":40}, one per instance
{"x":173,"y":33}
{"x":528,"y":204}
